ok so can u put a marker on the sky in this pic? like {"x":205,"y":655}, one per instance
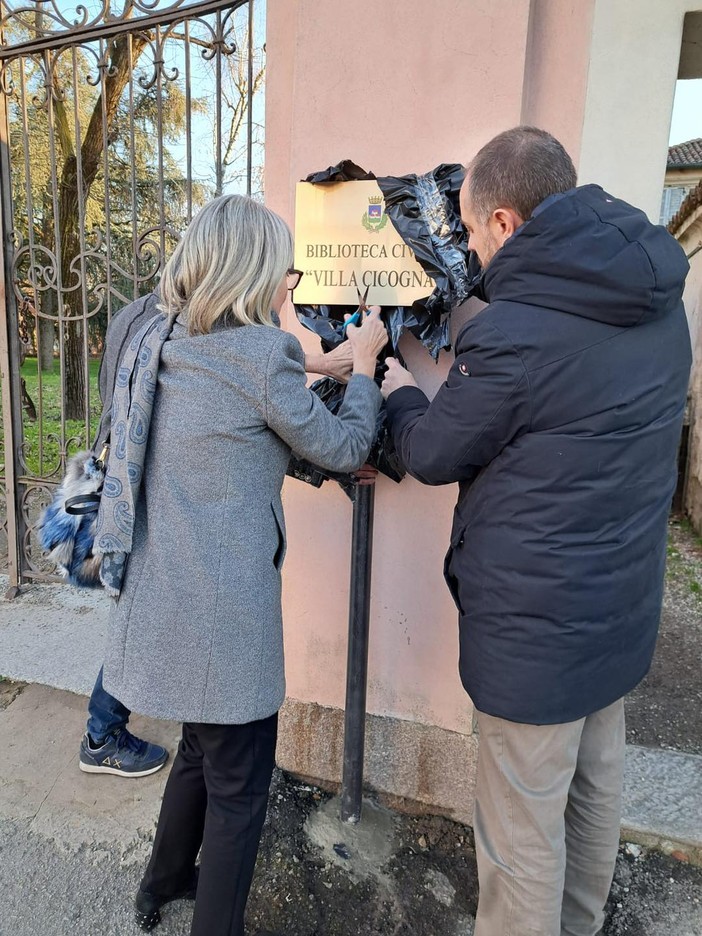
{"x":687,"y":112}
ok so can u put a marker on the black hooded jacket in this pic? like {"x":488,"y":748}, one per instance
{"x":560,"y":419}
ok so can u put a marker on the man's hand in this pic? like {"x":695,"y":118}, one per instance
{"x":396,"y":376}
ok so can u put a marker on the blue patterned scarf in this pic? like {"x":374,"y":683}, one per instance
{"x":132,"y":406}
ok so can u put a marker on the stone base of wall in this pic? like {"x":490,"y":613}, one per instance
{"x":412,"y":767}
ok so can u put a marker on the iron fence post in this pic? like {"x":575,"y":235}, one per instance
{"x":9,"y":365}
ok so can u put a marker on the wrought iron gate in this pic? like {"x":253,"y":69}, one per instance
{"x":115,"y":126}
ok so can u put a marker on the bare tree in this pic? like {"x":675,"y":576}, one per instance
{"x":245,"y":79}
{"x":91,"y":151}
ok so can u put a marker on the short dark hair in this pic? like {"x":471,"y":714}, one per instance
{"x":518,"y":169}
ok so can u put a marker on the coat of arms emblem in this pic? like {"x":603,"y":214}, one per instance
{"x":375,"y":217}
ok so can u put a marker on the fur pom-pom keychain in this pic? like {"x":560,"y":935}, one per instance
{"x":67,"y":526}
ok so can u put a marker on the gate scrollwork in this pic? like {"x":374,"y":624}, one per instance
{"x":117,"y":122}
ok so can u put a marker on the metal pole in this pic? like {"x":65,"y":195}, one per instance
{"x":357,"y":663}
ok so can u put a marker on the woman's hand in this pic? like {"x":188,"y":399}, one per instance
{"x":338,"y":363}
{"x":367,"y":340}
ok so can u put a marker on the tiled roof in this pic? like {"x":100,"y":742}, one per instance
{"x":685,"y":155}
{"x":688,"y":207}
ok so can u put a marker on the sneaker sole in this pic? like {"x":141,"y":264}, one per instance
{"x":115,"y":771}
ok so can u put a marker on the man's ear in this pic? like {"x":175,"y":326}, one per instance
{"x":503,"y":223}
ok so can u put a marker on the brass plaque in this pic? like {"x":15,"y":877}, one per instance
{"x":344,"y":240}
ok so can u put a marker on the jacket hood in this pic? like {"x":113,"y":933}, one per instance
{"x":593,"y":255}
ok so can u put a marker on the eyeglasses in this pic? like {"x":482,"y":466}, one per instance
{"x":294,"y":277}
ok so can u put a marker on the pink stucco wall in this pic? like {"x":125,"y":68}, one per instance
{"x":399,"y":86}
{"x":556,"y":74}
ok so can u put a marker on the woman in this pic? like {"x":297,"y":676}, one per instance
{"x":196,"y":630}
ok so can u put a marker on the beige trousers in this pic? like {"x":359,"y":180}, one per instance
{"x":547,"y":816}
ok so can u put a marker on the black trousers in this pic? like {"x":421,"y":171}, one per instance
{"x":215,"y":798}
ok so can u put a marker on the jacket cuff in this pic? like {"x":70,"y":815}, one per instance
{"x":400,"y":399}
{"x":365,"y":385}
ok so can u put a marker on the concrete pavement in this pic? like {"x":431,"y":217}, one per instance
{"x":54,"y":636}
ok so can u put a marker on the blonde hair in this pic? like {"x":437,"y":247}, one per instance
{"x":226,"y":269}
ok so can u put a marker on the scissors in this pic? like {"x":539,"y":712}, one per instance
{"x":362,"y":307}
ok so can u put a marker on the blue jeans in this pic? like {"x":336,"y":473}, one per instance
{"x":106,"y":715}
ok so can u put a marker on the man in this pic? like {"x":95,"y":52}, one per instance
{"x":560,"y":421}
{"x":107,"y":746}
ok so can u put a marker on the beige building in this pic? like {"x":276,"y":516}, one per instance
{"x":399,"y":87}
{"x":683,"y":173}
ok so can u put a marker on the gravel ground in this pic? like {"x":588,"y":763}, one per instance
{"x":429,"y":886}
{"x":665,"y":710}
{"x":426,"y":887}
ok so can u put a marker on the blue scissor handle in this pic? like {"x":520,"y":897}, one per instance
{"x":352,"y":321}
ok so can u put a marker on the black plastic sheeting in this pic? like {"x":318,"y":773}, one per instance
{"x":425,"y":211}
{"x":382,"y":455}
{"x":345,"y":171}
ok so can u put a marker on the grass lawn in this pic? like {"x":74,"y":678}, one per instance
{"x":48,"y":429}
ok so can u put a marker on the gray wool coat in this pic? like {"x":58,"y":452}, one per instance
{"x":196,"y":634}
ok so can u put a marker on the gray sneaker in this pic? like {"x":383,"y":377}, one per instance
{"x":123,"y":755}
